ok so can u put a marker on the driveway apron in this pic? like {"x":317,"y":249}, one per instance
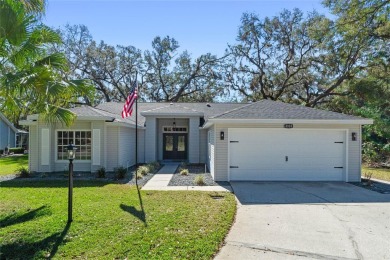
{"x":315,"y":220}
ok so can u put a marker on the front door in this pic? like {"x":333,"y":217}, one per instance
{"x":175,"y":146}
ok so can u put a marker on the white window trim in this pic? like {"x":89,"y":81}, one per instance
{"x":56,"y":146}
{"x":178,"y":126}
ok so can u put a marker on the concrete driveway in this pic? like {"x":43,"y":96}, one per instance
{"x":311,"y":220}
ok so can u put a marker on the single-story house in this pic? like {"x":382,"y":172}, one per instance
{"x":265,"y":140}
{"x":10,"y":136}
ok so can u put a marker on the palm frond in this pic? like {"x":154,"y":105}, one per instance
{"x":54,"y":114}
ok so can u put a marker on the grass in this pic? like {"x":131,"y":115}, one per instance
{"x":377,"y":173}
{"x":10,"y":164}
{"x":110,"y":221}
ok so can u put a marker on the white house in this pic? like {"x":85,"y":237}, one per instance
{"x":265,"y":140}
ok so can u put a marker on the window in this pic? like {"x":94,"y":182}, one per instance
{"x":81,"y":140}
{"x":176,"y":129}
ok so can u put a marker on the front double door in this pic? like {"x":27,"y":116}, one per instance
{"x":175,"y":146}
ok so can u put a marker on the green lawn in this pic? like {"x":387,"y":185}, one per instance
{"x":377,"y":173}
{"x":110,"y":221}
{"x":10,"y":164}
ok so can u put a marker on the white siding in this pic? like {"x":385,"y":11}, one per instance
{"x":221,"y":147}
{"x":193,"y":140}
{"x":141,"y":145}
{"x":126,"y":148}
{"x":33,"y":149}
{"x":150,"y":139}
{"x":45,"y":146}
{"x":354,"y":155}
{"x":211,"y":151}
{"x":96,"y":144}
{"x":112,"y":147}
{"x":203,"y":146}
{"x":101,"y":151}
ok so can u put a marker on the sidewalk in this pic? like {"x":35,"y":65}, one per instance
{"x":161,"y":180}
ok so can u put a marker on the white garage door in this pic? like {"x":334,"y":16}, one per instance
{"x":286,"y":154}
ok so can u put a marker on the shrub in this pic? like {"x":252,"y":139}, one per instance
{"x":120,"y":172}
{"x":199,"y":180}
{"x":184,"y":172}
{"x":143,"y":170}
{"x":101,"y":172}
{"x":16,"y":150}
{"x":154,"y":166}
{"x":23,"y":172}
{"x":1,"y":151}
{"x":138,"y":175}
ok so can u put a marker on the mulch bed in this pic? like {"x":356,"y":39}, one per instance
{"x":379,"y":187}
{"x":188,"y":180}
{"x":110,"y":176}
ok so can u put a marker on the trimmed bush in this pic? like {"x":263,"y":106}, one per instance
{"x":120,"y":172}
{"x":143,"y":170}
{"x":23,"y":172}
{"x":184,"y":172}
{"x":199,"y":180}
{"x":16,"y":150}
{"x":101,"y":172}
{"x":154,"y":166}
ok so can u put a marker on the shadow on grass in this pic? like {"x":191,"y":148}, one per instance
{"x":30,"y":215}
{"x":45,"y":248}
{"x":51,"y":183}
{"x":140,"y":214}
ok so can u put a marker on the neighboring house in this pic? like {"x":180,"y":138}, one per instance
{"x":10,"y":135}
{"x":265,"y":140}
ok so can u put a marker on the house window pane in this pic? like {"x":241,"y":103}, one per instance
{"x":81,"y":140}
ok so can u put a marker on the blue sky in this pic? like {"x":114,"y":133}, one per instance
{"x":198,"y":26}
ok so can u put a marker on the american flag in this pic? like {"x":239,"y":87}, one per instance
{"x":128,"y":107}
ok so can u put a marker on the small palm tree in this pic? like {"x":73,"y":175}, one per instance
{"x":32,"y":78}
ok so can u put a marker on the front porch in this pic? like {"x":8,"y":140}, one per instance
{"x":175,"y":137}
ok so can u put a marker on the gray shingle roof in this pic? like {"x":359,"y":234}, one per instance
{"x":264,"y":109}
{"x":208,"y":109}
{"x":267,"y":109}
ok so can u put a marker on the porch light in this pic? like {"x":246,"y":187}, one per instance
{"x":222,"y":135}
{"x":174,"y":122}
{"x":71,"y":149}
{"x":353,"y":136}
{"x":71,"y":155}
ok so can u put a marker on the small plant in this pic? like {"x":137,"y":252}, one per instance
{"x":138,"y":175}
{"x":367,"y":176}
{"x":101,"y":172}
{"x":23,"y":172}
{"x":120,"y":172}
{"x":199,"y":180}
{"x":184,"y":172}
{"x":143,"y":170}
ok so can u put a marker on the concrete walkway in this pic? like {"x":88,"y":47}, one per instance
{"x":162,"y":178}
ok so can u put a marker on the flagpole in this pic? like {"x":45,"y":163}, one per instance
{"x":136,"y":136}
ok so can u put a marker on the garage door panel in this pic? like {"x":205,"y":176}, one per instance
{"x":260,"y":154}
